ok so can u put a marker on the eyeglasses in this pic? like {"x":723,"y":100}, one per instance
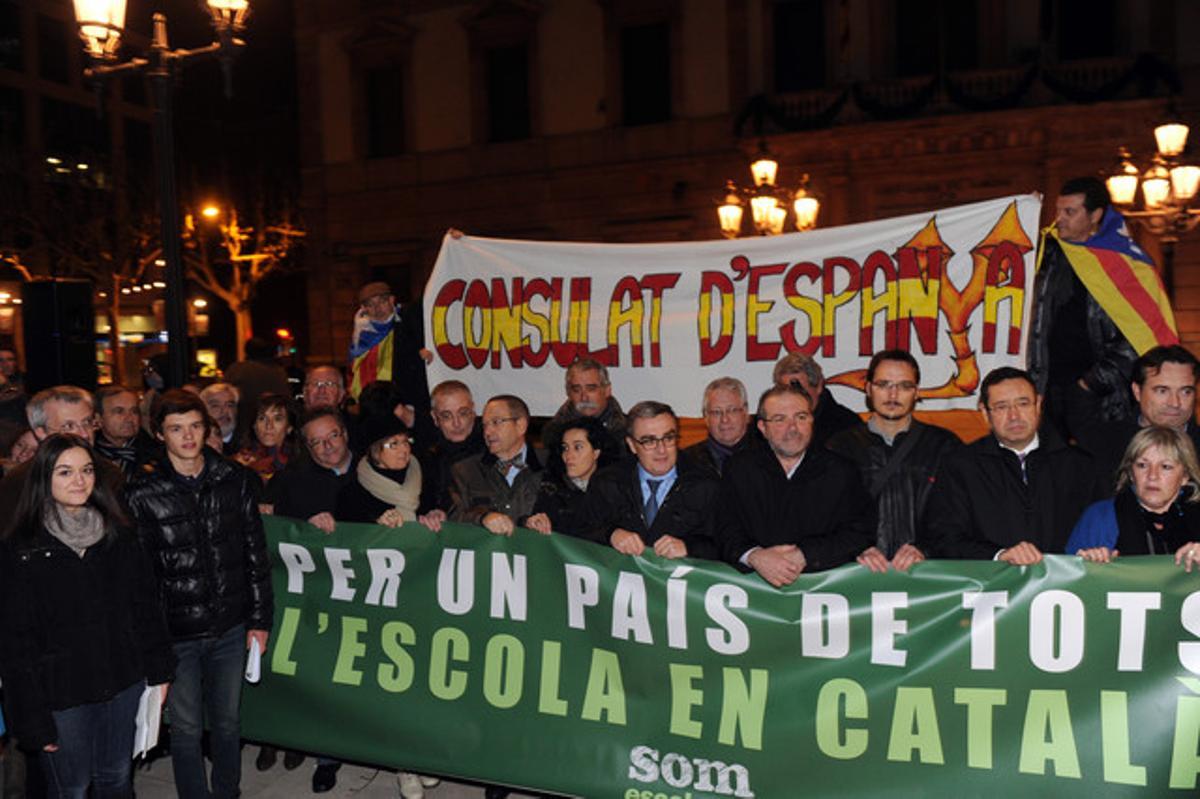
{"x":322,"y":384}
{"x":328,"y":441}
{"x":1020,"y":405}
{"x":494,"y":423}
{"x":397,"y":442}
{"x":653,"y":442}
{"x":721,"y":413}
{"x":899,"y":385}
{"x":781,"y":419}
{"x":73,"y":427}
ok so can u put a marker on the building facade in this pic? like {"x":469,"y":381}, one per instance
{"x":621,"y":120}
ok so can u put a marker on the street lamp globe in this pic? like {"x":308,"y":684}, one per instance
{"x":101,"y":23}
{"x":1122,"y":185}
{"x":1171,"y":138}
{"x":1185,"y":179}
{"x":1156,"y":184}
{"x":229,"y":14}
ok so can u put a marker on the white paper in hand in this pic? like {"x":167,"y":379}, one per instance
{"x":254,"y":662}
{"x":149,"y":720}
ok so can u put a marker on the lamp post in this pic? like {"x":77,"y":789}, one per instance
{"x":768,"y":213}
{"x":1169,"y":187}
{"x":101,"y":25}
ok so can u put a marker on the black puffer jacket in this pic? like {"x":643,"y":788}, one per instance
{"x":1111,"y":355}
{"x":205,"y":537}
{"x":76,"y":630}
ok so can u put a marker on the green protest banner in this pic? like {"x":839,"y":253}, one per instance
{"x":554,"y":664}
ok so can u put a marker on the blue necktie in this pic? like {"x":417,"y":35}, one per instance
{"x":651,"y":509}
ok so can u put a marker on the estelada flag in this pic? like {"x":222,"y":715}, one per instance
{"x":1122,"y":278}
{"x":376,"y":362}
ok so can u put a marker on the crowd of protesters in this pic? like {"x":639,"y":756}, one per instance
{"x":136,"y":556}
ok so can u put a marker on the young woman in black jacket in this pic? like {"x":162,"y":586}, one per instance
{"x":561,"y":504}
{"x":81,"y":628}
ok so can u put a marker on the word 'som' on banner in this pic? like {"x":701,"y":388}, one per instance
{"x":507,"y":316}
{"x":556,"y":664}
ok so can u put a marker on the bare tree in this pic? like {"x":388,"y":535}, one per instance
{"x":230,"y":260}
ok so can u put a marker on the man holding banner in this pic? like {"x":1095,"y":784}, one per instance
{"x":791,"y":508}
{"x":1098,"y":303}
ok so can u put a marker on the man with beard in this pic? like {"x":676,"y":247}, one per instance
{"x":1012,"y":495}
{"x":589,"y":393}
{"x":898,"y":457}
{"x":789,"y":507}
{"x":221,"y":399}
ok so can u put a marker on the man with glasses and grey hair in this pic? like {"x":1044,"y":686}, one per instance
{"x":498,"y":488}
{"x":657,"y":499}
{"x":898,"y":458}
{"x":727,"y":415}
{"x":790,"y":507}
{"x":829,"y":417}
{"x":58,"y":409}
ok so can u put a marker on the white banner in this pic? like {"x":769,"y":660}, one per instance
{"x":508,"y":316}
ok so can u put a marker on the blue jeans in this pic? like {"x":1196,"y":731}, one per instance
{"x":208,"y":686}
{"x":95,"y":747}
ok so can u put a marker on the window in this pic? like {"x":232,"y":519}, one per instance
{"x":646,"y":73}
{"x":935,"y":35}
{"x":798,"y":39}
{"x":385,"y":111}
{"x":10,"y":35}
{"x":507,"y":92}
{"x":1087,"y":29}
{"x":53,"y":52}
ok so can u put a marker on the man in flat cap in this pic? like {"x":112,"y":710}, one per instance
{"x":388,"y":343}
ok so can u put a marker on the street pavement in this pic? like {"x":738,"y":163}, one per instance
{"x":156,"y":782}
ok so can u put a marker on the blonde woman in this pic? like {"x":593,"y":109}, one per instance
{"x":1156,"y":509}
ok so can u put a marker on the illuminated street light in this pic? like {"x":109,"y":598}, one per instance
{"x":768,"y":212}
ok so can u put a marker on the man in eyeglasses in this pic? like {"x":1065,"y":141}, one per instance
{"x":307,"y":488}
{"x":790,"y":508}
{"x":727,"y":416}
{"x":656,"y":500}
{"x":324,"y":387}
{"x":1012,"y":495}
{"x":898,"y":458}
{"x":497,"y":488}
{"x":459,"y":435}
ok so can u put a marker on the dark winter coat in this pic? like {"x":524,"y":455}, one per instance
{"x":76,"y":630}
{"x":686,"y":512}
{"x":822,"y":508}
{"x":980,"y":504}
{"x":480,"y":489}
{"x":205,"y":537}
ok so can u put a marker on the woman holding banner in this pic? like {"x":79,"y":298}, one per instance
{"x":561,"y":503}
{"x":1156,"y":510}
{"x":81,"y":628}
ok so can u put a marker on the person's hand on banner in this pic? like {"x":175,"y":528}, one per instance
{"x":905,"y":557}
{"x":1188,"y":555}
{"x":874,"y":560}
{"x":498,"y":523}
{"x":539,"y":522}
{"x":779,"y":565}
{"x":627,"y":542}
{"x":670,"y":547}
{"x":392,"y":517}
{"x":323,"y":521}
{"x":1023,"y":554}
{"x":1101,"y":554}
{"x":433,"y":520}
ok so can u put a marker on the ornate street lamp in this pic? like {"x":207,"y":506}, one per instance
{"x":101,"y":25}
{"x":1169,"y":187}
{"x":767,"y":212}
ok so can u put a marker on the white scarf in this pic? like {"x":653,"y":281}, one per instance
{"x":404,"y":497}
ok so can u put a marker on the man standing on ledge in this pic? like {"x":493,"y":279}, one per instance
{"x":1098,"y":303}
{"x":388,"y":343}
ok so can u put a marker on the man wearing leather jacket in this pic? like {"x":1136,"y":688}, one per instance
{"x":1074,"y":345}
{"x":898,"y":457}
